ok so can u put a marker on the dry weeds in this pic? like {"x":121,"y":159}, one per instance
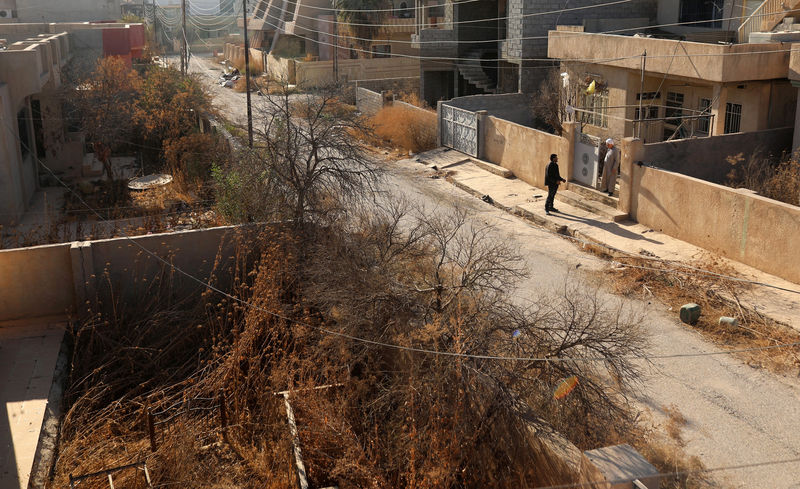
{"x":405,"y":128}
{"x":717,"y":296}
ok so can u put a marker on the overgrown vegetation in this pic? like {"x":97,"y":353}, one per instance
{"x":306,"y":165}
{"x":392,"y":416}
{"x":717,"y":297}
{"x":405,"y":127}
{"x":774,"y":178}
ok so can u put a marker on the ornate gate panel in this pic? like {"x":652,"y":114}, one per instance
{"x":459,"y":129}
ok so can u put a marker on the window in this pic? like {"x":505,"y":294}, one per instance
{"x":733,"y":118}
{"x":381,"y":50}
{"x":704,"y":123}
{"x":650,"y":112}
{"x":699,"y":10}
{"x":595,"y":109}
{"x":674,"y":110}
{"x":648,"y":95}
{"x":24,"y":135}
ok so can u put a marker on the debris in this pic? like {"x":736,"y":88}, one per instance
{"x":149,"y":181}
{"x":435,"y":168}
{"x":728,"y":321}
{"x":486,"y":198}
{"x":690,"y":313}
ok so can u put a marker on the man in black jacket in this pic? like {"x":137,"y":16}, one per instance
{"x":552,"y":178}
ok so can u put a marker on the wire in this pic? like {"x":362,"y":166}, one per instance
{"x":676,"y":473}
{"x":549,"y":60}
{"x":386,"y":344}
{"x":461,"y":22}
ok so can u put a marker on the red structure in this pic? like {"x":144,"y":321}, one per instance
{"x":126,"y":41}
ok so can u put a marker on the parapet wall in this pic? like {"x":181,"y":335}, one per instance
{"x":63,"y":278}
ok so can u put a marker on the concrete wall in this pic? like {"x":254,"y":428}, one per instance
{"x":513,"y":107}
{"x":704,"y":61}
{"x":59,"y":279}
{"x":396,"y":85}
{"x":705,"y":158}
{"x":369,"y":102}
{"x":735,"y":223}
{"x":316,"y":73}
{"x":526,"y":151}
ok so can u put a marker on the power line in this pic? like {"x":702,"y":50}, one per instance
{"x":550,"y":60}
{"x":677,"y":473}
{"x":358,"y":339}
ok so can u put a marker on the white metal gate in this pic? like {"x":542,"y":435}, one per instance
{"x":584,"y":168}
{"x":459,"y":129}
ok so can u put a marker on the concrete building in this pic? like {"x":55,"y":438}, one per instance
{"x":500,"y":46}
{"x":685,"y":89}
{"x":32,"y":125}
{"x":308,"y":27}
{"x":67,"y":10}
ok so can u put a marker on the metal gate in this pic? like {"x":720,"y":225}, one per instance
{"x":584,"y":168}
{"x":459,"y":129}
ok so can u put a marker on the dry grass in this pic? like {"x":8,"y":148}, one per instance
{"x":406,"y":128}
{"x":778,"y":180}
{"x":717,"y":297}
{"x":663,"y":446}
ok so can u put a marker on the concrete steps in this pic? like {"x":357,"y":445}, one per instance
{"x":593,"y":194}
{"x":596,"y":207}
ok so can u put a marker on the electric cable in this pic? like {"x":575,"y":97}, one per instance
{"x":358,"y":339}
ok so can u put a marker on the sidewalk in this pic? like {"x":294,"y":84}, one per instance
{"x":29,"y":351}
{"x":483,"y":179}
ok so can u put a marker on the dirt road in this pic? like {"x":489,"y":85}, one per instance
{"x":736,"y":415}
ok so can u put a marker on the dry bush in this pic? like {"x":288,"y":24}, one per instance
{"x":240,"y":84}
{"x":717,"y":296}
{"x":393,"y":417}
{"x":406,"y":128}
{"x":779,"y":180}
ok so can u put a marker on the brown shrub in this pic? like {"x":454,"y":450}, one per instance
{"x":406,"y":128}
{"x":779,"y":180}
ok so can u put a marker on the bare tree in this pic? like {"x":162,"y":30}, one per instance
{"x":307,"y":149}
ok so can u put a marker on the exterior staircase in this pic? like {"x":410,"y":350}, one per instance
{"x":767,"y":16}
{"x":591,"y":200}
{"x":472,"y":70}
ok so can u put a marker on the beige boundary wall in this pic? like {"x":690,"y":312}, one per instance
{"x":524,"y":150}
{"x":59,"y":279}
{"x":735,"y":223}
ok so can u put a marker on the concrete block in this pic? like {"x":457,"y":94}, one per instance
{"x":690,"y":313}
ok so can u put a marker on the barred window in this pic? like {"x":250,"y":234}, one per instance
{"x":733,"y":118}
{"x":650,"y":112}
{"x":674,"y":110}
{"x":704,"y":123}
{"x":595,"y":109}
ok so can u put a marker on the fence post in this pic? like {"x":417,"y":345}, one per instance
{"x":151,"y":429}
{"x":223,"y":415}
{"x":481,"y":116}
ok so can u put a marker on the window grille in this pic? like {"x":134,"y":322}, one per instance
{"x":733,"y":118}
{"x":674,"y":110}
{"x":595,"y":109}
{"x":704,"y":123}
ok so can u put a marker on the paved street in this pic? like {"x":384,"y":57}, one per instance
{"x":737,"y":414}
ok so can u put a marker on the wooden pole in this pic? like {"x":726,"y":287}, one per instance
{"x":247,"y":77}
{"x":223,"y":415}
{"x":183,"y":37}
{"x":151,"y":430}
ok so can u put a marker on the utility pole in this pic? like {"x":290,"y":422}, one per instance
{"x":155,"y":30}
{"x":184,"y":49}
{"x":641,"y":96}
{"x":335,"y":47}
{"x":247,"y":77}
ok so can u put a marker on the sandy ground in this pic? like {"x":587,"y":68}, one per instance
{"x":737,"y":415}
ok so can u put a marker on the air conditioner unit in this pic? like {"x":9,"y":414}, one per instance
{"x":6,"y":14}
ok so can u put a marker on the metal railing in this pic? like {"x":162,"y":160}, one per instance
{"x":765,"y":17}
